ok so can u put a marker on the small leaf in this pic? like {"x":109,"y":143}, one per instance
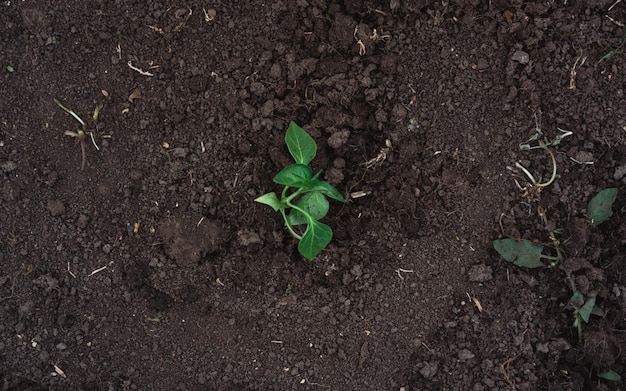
{"x":328,"y":190}
{"x":96,"y":112}
{"x":315,"y":239}
{"x":10,"y":69}
{"x":271,"y":200}
{"x":315,"y":204}
{"x":597,"y":311}
{"x":297,"y":175}
{"x":609,"y":375}
{"x":522,"y":253}
{"x":301,"y":146}
{"x":576,"y":301}
{"x":599,"y":208}
{"x":585,"y":310}
{"x":296,"y":217}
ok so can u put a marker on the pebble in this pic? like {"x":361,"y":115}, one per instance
{"x":465,"y":354}
{"x":480,"y":273}
{"x":521,"y":57}
{"x":55,"y":207}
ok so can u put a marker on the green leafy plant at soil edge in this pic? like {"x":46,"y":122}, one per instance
{"x":303,"y":199}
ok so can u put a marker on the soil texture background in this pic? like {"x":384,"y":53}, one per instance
{"x":152,"y":268}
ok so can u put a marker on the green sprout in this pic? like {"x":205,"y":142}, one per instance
{"x":542,"y":143}
{"x":582,"y":307}
{"x":303,"y":199}
{"x":81,"y":133}
{"x":600,"y":207}
{"x":528,"y":254}
{"x":537,"y":183}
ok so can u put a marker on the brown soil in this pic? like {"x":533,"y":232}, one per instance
{"x":153,"y":268}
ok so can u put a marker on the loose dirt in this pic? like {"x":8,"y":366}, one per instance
{"x":154,"y":269}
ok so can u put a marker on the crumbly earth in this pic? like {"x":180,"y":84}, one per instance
{"x":154,"y":269}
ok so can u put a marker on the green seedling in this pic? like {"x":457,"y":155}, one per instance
{"x":81,"y":133}
{"x":541,"y":140}
{"x":599,"y":208}
{"x":610,"y":375}
{"x":616,"y":50}
{"x":303,"y":198}
{"x":537,"y":182}
{"x":538,"y":141}
{"x":523,"y":253}
{"x":583,"y":307}
{"x":528,"y":254}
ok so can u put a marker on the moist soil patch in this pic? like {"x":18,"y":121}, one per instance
{"x":153,"y":268}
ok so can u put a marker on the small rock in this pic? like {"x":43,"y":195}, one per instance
{"x":542,"y":347}
{"x":482,"y":64}
{"x":339,"y":138}
{"x":334,"y":176}
{"x":521,"y":57}
{"x":248,"y":110}
{"x":135,"y":175}
{"x":247,"y":237}
{"x":465,"y":355}
{"x":180,"y":152}
{"x":268,"y":108}
{"x":276,"y":71}
{"x":480,"y":273}
{"x":399,"y":111}
{"x":26,"y":309}
{"x":8,"y":166}
{"x":584,"y":157}
{"x":244,"y":147}
{"x":619,"y":172}
{"x":56,"y":207}
{"x":82,"y":221}
{"x":429,"y":370}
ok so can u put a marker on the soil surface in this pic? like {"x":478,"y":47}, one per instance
{"x":152,"y":268}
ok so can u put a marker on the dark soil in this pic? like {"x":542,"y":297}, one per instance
{"x":154,"y":269}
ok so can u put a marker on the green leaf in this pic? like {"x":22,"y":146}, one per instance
{"x":315,"y":239}
{"x":609,"y":375}
{"x":10,"y":69}
{"x":301,"y":146}
{"x":585,"y":310}
{"x":315,"y":204}
{"x":296,"y":175}
{"x":576,"y":301}
{"x":328,"y":190}
{"x":522,"y":253}
{"x":597,"y":311}
{"x":599,"y":208}
{"x":270,"y":199}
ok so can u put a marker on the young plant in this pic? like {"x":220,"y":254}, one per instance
{"x":81,"y":133}
{"x":582,"y":307}
{"x":303,"y":198}
{"x":525,"y":253}
{"x":599,"y":208}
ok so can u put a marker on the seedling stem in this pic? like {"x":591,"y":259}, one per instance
{"x":535,"y":182}
{"x":81,"y":133}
